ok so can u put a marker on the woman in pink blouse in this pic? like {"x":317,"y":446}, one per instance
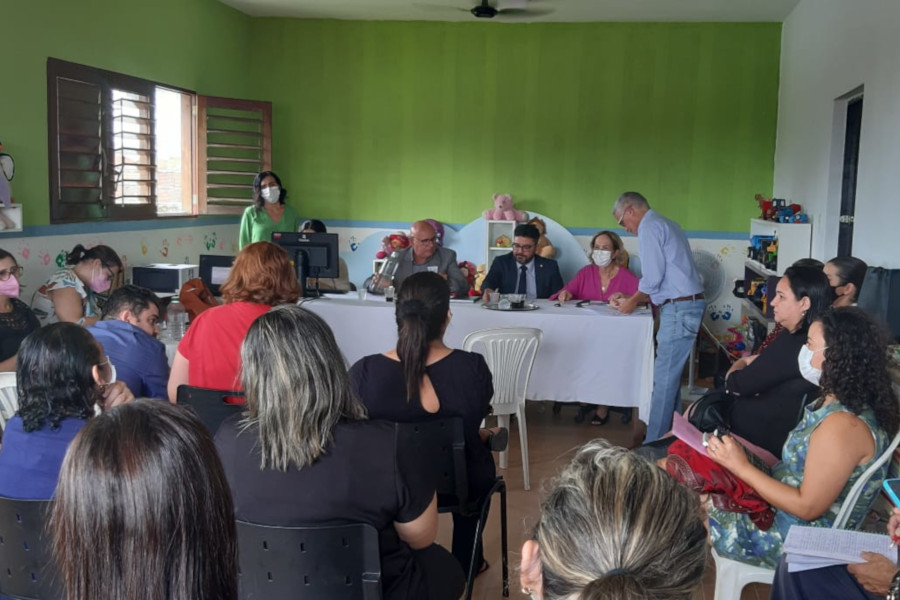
{"x":606,"y":275}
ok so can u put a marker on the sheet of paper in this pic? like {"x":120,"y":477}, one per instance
{"x":823,"y":546}
{"x":688,"y":434}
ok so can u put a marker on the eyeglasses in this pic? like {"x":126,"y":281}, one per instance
{"x":622,"y":218}
{"x":430,"y":240}
{"x":526,"y":247}
{"x":14,"y":271}
{"x":110,"y":274}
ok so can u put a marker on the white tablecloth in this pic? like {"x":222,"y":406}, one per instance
{"x":592,"y":354}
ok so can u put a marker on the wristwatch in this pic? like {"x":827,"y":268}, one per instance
{"x":894,"y":589}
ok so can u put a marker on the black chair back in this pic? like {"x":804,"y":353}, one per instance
{"x":340,"y":562}
{"x":28,"y":570}
{"x":441,"y":446}
{"x":210,"y":405}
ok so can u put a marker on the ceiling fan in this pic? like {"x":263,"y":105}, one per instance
{"x":506,"y":9}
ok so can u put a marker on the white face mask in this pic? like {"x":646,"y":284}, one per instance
{"x":601,"y":258}
{"x":807,"y":370}
{"x":271,"y":194}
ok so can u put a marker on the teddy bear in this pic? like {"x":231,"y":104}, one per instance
{"x":389,"y":243}
{"x":504,"y":210}
{"x":544,"y":247}
{"x":480,"y":274}
{"x":468,"y":271}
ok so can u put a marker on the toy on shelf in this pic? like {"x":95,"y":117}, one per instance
{"x":544,"y":247}
{"x":389,"y":243}
{"x":504,"y":210}
{"x":503,"y":241}
{"x":7,"y":172}
{"x":777,"y":209}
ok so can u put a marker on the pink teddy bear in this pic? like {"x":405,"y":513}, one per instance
{"x":504,"y":210}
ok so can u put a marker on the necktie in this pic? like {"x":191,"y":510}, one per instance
{"x":521,"y":287}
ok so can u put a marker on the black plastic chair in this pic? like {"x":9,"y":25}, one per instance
{"x":28,"y":570}
{"x":340,"y":562}
{"x":441,"y":442}
{"x":210,"y":405}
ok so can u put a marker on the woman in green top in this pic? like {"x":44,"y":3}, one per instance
{"x":269,"y":212}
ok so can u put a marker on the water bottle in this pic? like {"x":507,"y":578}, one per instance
{"x":385,"y":277}
{"x":176,"y":318}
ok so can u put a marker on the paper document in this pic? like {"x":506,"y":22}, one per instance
{"x":815,"y":547}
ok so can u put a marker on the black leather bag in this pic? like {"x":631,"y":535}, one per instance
{"x":712,"y":411}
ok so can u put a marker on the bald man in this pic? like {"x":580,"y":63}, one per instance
{"x":424,"y":254}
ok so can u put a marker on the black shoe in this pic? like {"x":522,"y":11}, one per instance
{"x":626,"y":416}
{"x":498,"y":441}
{"x":598,"y":420}
{"x":582,"y":413}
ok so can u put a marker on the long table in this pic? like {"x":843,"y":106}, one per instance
{"x":590,"y":354}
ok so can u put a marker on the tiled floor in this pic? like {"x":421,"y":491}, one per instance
{"x":551,"y":441}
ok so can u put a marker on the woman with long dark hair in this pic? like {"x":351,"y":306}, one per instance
{"x":61,"y":375}
{"x":143,"y":509}
{"x":268,"y":212}
{"x":304,"y":454}
{"x":838,"y":437}
{"x":424,"y":379}
{"x":70,"y":294}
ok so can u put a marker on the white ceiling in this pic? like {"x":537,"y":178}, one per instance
{"x":562,"y":10}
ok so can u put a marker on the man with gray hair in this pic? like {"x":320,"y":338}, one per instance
{"x":670,"y":281}
{"x":426,"y":254}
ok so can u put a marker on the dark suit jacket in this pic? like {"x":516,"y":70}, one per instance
{"x":504,"y":275}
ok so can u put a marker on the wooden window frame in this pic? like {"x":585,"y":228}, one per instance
{"x":217,"y":187}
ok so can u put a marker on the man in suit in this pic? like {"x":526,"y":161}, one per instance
{"x":424,"y":254}
{"x":522,"y":271}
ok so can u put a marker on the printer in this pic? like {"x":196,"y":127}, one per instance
{"x":163,"y":277}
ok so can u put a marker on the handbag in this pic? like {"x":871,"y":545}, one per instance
{"x":712,"y":411}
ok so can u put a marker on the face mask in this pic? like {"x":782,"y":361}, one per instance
{"x":271,"y":194}
{"x":10,"y":287}
{"x":804,"y":361}
{"x":99,"y":283}
{"x":112,"y":371}
{"x":601,"y":258}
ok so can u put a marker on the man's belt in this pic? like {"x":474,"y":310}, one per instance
{"x":684,"y":298}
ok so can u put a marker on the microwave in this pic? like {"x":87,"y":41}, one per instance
{"x":163,"y":277}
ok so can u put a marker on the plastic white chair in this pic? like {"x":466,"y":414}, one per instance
{"x":510,"y":354}
{"x":733,"y":575}
{"x":9,"y":397}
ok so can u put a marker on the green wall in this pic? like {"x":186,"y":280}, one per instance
{"x":201,"y":45}
{"x":392,"y":121}
{"x":402,"y":120}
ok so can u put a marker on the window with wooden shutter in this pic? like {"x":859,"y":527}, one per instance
{"x":125,"y":148}
{"x":234,"y":144}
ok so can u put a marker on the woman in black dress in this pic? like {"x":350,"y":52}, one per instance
{"x":305,"y":454}
{"x":423,"y":379}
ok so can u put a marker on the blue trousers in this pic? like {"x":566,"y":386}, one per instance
{"x":679,"y":323}
{"x":817,"y":584}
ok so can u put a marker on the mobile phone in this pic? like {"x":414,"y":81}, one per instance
{"x":892,"y":489}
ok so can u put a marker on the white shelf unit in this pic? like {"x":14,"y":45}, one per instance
{"x":12,"y":219}
{"x":496,"y":229}
{"x":794,"y":243}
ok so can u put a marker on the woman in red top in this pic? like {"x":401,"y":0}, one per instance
{"x":209,"y":355}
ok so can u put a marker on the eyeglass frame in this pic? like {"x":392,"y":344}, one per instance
{"x":15,"y":271}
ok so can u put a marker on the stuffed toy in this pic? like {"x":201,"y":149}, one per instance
{"x":468,"y":270}
{"x":389,"y":243}
{"x":7,"y":172}
{"x":503,"y":241}
{"x":480,"y":274}
{"x":544,"y":247}
{"x":765,"y":207}
{"x":438,"y":231}
{"x":504,"y":210}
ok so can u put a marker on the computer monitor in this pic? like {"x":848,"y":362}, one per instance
{"x":214,"y":270}
{"x":321,"y":250}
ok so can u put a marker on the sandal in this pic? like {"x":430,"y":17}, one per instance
{"x":598,"y":420}
{"x":498,"y":441}
{"x":484,"y":567}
